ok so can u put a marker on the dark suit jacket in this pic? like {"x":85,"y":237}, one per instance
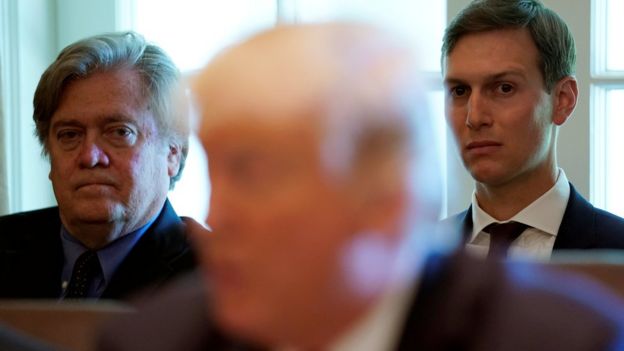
{"x":31,"y":256}
{"x":582,"y":227}
{"x":461,"y":304}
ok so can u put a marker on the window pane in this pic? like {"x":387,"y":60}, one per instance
{"x":423,"y":28}
{"x":192,"y":31}
{"x":614,"y":147}
{"x":615,"y":33}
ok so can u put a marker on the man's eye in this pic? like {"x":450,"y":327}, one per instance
{"x":121,"y":135}
{"x":67,"y":135}
{"x":505,"y":88}
{"x":458,"y":91}
{"x":122,"y":132}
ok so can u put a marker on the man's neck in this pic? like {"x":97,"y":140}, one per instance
{"x":506,"y":200}
{"x":97,"y":235}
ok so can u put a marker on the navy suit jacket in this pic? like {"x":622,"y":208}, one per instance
{"x":582,"y":227}
{"x":461,"y":303}
{"x":31,"y":256}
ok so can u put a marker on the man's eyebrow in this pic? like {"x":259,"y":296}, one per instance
{"x":491,"y":77}
{"x":452,"y":81}
{"x":74,"y":122}
{"x":504,"y":74}
{"x":66,"y":123}
{"x":116,"y":118}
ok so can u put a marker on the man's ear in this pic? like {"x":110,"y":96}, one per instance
{"x":382,"y":199}
{"x":174,"y":158}
{"x":565,"y":94}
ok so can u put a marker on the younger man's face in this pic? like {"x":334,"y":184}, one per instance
{"x":497,"y":106}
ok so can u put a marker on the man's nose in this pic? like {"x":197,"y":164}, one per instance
{"x":478,"y":113}
{"x":93,"y":155}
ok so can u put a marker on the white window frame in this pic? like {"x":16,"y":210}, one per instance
{"x":601,"y":81}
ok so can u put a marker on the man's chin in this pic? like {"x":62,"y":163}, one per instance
{"x":241,"y":323}
{"x":484,"y":170}
{"x":488,"y":177}
{"x":97,"y":212}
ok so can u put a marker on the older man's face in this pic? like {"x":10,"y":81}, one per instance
{"x":280,"y":225}
{"x":108,"y":163}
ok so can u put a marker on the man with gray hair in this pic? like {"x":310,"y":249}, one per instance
{"x":104,"y":115}
{"x":325,"y":189}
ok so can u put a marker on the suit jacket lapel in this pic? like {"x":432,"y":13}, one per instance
{"x":154,"y":258}
{"x":577,"y":229}
{"x":452,"y":290}
{"x":42,"y":271}
{"x":466,"y":224}
{"x":32,"y":265}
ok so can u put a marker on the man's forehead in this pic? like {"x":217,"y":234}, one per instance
{"x":491,"y":53}
{"x":259,"y":125}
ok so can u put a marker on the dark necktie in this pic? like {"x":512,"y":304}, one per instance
{"x":85,"y":270}
{"x":501,"y":237}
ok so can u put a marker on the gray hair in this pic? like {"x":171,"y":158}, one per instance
{"x":108,"y":52}
{"x":551,"y":35}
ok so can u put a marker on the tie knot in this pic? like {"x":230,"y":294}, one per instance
{"x":506,"y":229}
{"x":502,"y":235}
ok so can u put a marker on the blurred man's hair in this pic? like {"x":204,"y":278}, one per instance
{"x":361,"y":84}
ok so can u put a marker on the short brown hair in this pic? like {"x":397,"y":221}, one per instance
{"x":550,"y":33}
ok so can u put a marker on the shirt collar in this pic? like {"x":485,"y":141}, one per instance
{"x":110,"y":256}
{"x":544,"y":214}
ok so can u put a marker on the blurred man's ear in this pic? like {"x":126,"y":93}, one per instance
{"x":564,"y":95}
{"x":382,"y":196}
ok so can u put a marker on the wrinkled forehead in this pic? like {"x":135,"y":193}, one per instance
{"x":314,"y":73}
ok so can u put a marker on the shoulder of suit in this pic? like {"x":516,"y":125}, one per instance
{"x":28,"y":216}
{"x":24,"y":224}
{"x":455,"y":218}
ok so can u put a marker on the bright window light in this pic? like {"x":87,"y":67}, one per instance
{"x":423,"y":28}
{"x":615,"y":32}
{"x":192,"y":31}
{"x":607,"y":101}
{"x":614,"y":146}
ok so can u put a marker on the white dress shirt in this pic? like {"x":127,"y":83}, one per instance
{"x":543,"y":216}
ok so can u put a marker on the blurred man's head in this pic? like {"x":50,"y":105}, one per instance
{"x":104,"y":116}
{"x":322,"y":169}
